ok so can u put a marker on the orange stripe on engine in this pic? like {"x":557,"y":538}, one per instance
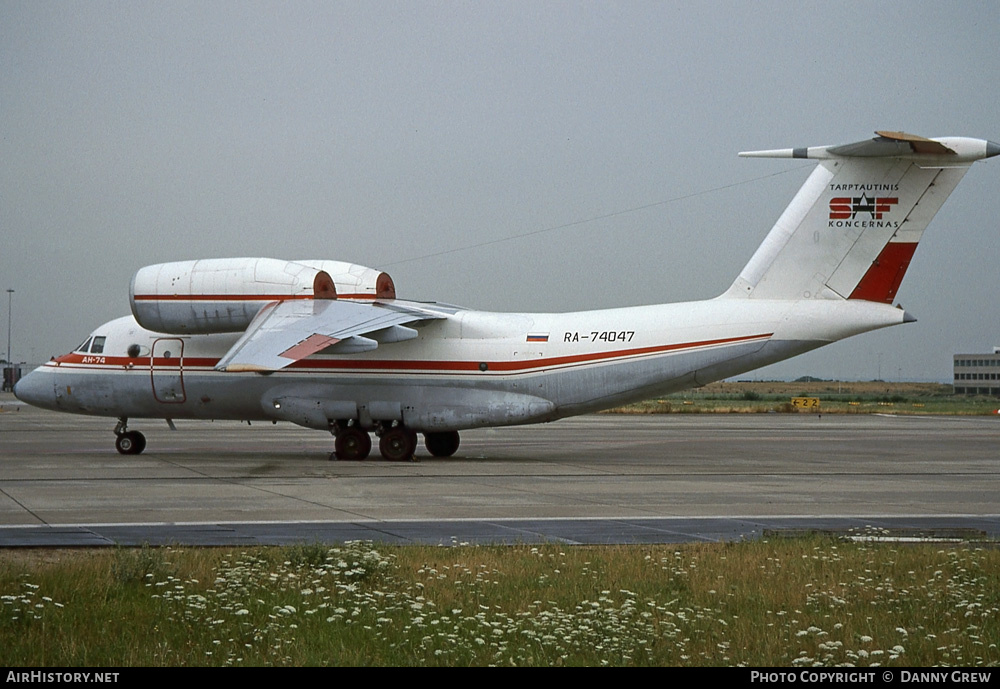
{"x":238,"y":297}
{"x":219,"y":297}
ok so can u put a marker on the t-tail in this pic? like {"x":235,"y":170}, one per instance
{"x":851,"y":230}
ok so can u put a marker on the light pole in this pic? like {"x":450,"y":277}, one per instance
{"x":10,"y":297}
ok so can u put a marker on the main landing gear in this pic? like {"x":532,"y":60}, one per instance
{"x":396,"y":443}
{"x":351,"y":444}
{"x":441,"y":444}
{"x":128,"y":442}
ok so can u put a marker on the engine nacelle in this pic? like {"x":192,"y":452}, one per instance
{"x":354,"y":281}
{"x":222,"y":295}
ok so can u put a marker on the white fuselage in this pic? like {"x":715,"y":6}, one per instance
{"x":465,"y":370}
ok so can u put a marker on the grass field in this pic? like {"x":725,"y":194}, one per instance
{"x":803,"y":602}
{"x":748,"y":397}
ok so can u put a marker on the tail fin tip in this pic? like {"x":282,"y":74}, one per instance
{"x":892,"y":144}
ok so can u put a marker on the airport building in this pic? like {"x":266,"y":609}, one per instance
{"x":977,"y":374}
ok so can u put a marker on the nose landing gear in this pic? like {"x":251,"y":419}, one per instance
{"x":128,"y":442}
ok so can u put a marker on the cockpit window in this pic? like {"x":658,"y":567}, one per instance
{"x":98,"y":346}
{"x":84,"y":347}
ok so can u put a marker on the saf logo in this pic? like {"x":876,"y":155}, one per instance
{"x":847,"y":208}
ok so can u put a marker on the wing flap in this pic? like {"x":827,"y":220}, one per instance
{"x":288,"y":331}
{"x":310,"y":345}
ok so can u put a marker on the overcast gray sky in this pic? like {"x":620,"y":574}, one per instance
{"x":391,"y":133}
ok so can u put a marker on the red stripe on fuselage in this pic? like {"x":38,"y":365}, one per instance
{"x":75,"y":360}
{"x":519,"y":365}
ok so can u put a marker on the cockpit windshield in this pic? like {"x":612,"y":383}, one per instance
{"x":94,"y":345}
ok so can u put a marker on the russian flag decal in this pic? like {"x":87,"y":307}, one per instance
{"x":537,"y":337}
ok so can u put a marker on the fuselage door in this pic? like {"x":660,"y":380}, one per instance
{"x":166,"y":370}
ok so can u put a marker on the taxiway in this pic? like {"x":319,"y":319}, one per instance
{"x":593,"y":479}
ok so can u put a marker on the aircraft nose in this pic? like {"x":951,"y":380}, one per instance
{"x":992,"y":149}
{"x":35,"y":389}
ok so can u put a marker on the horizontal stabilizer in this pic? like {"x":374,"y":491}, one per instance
{"x":946,"y":150}
{"x":893,"y":144}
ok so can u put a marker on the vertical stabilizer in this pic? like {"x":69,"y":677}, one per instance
{"x":853,"y":227}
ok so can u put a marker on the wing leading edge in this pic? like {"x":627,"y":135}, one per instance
{"x":284,"y":332}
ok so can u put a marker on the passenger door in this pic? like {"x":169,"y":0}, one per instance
{"x":166,"y":370}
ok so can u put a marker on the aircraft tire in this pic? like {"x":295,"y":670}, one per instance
{"x":442,"y":443}
{"x":130,"y":443}
{"x":398,"y":444}
{"x":352,"y":444}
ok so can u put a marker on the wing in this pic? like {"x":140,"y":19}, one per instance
{"x":284,"y":332}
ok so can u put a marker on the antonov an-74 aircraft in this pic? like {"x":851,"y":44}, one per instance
{"x":327,"y":345}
